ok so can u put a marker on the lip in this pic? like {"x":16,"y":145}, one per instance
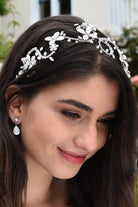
{"x":72,"y":157}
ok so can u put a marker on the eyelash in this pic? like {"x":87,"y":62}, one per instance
{"x":105,"y":121}
{"x":75,"y":116}
{"x":71,"y":115}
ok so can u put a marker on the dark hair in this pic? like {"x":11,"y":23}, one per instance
{"x":106,"y":179}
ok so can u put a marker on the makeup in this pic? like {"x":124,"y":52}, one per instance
{"x":72,"y":157}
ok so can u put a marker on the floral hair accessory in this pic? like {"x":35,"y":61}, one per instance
{"x":87,"y":33}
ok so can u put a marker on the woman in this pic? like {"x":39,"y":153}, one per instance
{"x":67,"y":119}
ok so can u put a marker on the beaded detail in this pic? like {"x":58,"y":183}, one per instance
{"x":87,"y":33}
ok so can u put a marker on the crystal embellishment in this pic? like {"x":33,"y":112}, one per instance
{"x":16,"y":130}
{"x":87,"y":33}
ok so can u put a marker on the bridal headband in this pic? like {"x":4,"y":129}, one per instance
{"x":86,"y":33}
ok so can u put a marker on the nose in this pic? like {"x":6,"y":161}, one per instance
{"x":87,"y":139}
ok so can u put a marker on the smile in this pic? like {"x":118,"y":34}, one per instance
{"x":72,"y":157}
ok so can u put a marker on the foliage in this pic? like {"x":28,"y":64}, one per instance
{"x":5,"y":46}
{"x":6,"y":41}
{"x":4,"y":7}
{"x":13,"y":23}
{"x":128,"y":41}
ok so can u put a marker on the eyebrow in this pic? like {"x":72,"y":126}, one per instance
{"x":112,"y":113}
{"x":83,"y":106}
{"x":76,"y":103}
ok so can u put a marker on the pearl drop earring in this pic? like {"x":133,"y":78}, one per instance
{"x":16,"y":130}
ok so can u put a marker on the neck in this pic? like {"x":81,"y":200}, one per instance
{"x":39,"y":182}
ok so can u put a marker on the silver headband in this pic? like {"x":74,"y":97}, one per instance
{"x":87,"y":33}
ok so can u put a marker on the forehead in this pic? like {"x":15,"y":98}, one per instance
{"x":96,"y":91}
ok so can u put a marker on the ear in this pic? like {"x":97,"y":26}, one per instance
{"x":15,"y":102}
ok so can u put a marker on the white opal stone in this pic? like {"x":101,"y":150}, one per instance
{"x":16,"y":130}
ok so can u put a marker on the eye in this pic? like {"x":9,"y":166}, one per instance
{"x":104,"y":124}
{"x":71,"y":115}
{"x":105,"y":121}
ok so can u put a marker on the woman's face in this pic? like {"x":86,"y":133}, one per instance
{"x":66,"y":124}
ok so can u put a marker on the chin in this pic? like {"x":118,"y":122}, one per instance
{"x":65,"y":174}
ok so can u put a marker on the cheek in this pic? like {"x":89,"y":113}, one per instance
{"x":102,"y":135}
{"x":43,"y":129}
{"x":101,"y":143}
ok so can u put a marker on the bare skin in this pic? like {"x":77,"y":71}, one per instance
{"x":61,"y":128}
